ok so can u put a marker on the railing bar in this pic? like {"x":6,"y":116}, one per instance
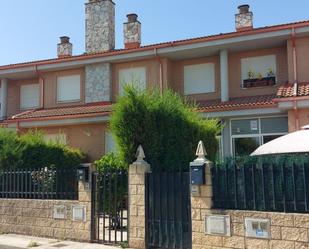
{"x":235,"y":185}
{"x":294,"y":187}
{"x":245,"y":189}
{"x":273,"y":186}
{"x":253,"y":186}
{"x":263,"y":185}
{"x":305,"y":187}
{"x":116,"y":208}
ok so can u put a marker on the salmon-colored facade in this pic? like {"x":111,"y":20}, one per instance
{"x":180,"y":66}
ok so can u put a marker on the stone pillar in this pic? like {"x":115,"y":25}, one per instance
{"x":3,"y":96}
{"x":100,"y":26}
{"x":98,"y":82}
{"x":65,"y":47}
{"x":224,"y":75}
{"x":244,"y":19}
{"x":132,"y":32}
{"x":137,"y":172}
{"x":201,"y":203}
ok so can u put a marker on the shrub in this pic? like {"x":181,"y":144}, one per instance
{"x":168,"y":128}
{"x":109,"y":162}
{"x":29,"y":150}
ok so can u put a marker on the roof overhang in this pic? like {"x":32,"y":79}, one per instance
{"x":259,"y":38}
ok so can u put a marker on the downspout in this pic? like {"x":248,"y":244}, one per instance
{"x":160,"y":70}
{"x":42,"y":86}
{"x":295,"y":79}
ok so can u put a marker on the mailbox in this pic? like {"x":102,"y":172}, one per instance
{"x":197,"y":173}
{"x":83,"y":174}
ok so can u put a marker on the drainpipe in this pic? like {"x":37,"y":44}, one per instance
{"x":295,"y":79}
{"x":294,"y":61}
{"x":160,"y":70}
{"x":42,"y":85}
{"x":4,"y":98}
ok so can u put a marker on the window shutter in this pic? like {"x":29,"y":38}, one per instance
{"x":199,"y":78}
{"x":68,"y":88}
{"x":110,"y":144}
{"x":29,"y":96}
{"x":132,"y":76}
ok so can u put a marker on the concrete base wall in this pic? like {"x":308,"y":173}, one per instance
{"x":35,"y":218}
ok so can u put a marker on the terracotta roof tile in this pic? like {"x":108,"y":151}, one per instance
{"x":287,"y":90}
{"x":247,"y":102}
{"x":161,"y":45}
{"x":72,"y":111}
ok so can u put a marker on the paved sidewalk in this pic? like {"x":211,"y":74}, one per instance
{"x":13,"y":241}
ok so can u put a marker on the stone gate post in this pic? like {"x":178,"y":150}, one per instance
{"x":201,"y":202}
{"x":136,"y":224}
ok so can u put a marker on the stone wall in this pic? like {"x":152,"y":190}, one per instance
{"x":287,"y":231}
{"x":100,"y":26}
{"x":35,"y":217}
{"x":137,"y":204}
{"x":98,"y":81}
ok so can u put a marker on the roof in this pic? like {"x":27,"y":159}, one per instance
{"x":248,"y":102}
{"x":288,"y":90}
{"x":162,"y":45}
{"x":89,"y":110}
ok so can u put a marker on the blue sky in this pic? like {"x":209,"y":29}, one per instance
{"x":30,"y":29}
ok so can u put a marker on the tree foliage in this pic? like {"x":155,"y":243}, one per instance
{"x":168,"y":127}
{"x":30,"y":151}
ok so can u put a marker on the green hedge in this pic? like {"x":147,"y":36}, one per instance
{"x":167,"y":127}
{"x":30,"y":151}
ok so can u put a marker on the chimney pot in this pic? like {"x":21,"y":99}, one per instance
{"x":64,"y":39}
{"x":132,"y":17}
{"x":243,"y":9}
{"x":132,"y":32}
{"x":64,"y":48}
{"x":244,"y":19}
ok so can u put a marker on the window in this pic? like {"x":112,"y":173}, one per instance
{"x":199,"y":78}
{"x":132,"y":76}
{"x":249,"y":134}
{"x":258,"y":71}
{"x":110,"y":144}
{"x":68,"y":88}
{"x":29,"y":96}
{"x":60,"y":138}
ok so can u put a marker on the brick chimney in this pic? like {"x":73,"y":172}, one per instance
{"x":100,"y":26}
{"x":244,"y":19}
{"x":64,"y":48}
{"x":132,"y":32}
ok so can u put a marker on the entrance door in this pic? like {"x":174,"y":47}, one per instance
{"x":168,"y":211}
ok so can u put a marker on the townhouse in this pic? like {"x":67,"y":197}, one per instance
{"x":254,"y":80}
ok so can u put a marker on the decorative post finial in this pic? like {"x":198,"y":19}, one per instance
{"x":140,"y":154}
{"x":201,"y":152}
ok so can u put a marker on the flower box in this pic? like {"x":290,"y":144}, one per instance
{"x":266,"y":81}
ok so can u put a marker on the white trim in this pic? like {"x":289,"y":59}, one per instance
{"x":246,"y":112}
{"x":285,"y":33}
{"x":77,"y":121}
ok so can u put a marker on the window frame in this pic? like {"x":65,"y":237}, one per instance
{"x":260,"y":135}
{"x":58,"y":89}
{"x":20,"y":96}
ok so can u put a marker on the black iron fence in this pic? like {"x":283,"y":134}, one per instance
{"x":58,"y":184}
{"x":110,"y":206}
{"x":168,"y":210}
{"x":262,"y":186}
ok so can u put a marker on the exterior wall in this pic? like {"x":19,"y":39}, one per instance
{"x":152,"y":71}
{"x":98,"y":82}
{"x":235,"y":72}
{"x":288,"y":231}
{"x":89,"y":138}
{"x":35,"y":217}
{"x":303,"y":116}
{"x":178,"y":77}
{"x":302,"y":52}
{"x":50,"y":88}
